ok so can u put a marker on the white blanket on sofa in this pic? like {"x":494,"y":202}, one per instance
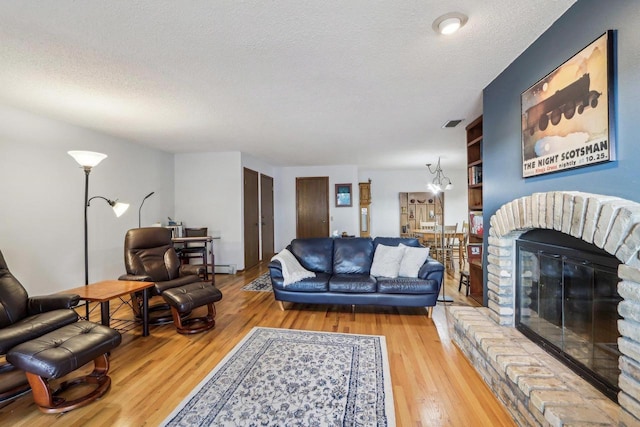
{"x":292,"y":271}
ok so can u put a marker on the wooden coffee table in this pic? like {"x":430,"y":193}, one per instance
{"x":107,"y":290}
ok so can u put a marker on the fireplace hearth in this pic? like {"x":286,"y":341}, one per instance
{"x":534,"y":386}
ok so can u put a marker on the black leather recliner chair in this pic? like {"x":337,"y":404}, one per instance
{"x":23,"y":318}
{"x":149,"y":256}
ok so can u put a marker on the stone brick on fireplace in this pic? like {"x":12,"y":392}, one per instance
{"x":534,"y":387}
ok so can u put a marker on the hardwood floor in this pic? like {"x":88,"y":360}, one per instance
{"x":433,"y":383}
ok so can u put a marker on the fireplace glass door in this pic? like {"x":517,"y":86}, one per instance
{"x":566,"y":301}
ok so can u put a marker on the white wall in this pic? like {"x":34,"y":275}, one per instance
{"x":341,"y":219}
{"x":387,"y":184}
{"x":42,"y":195}
{"x":208,"y":193}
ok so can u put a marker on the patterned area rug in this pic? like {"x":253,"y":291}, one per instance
{"x":261,"y":284}
{"x":283,"y":377}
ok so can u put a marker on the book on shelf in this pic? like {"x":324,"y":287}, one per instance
{"x":476,"y":223}
{"x":475,"y":175}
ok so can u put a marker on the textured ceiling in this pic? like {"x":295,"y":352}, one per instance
{"x":293,"y":82}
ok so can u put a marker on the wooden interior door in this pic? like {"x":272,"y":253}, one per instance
{"x":266,"y":214}
{"x":251,"y":219}
{"x":312,"y":207}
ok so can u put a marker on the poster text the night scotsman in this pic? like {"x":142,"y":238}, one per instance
{"x":566,"y":116}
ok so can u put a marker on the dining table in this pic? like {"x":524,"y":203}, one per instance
{"x":432,"y":235}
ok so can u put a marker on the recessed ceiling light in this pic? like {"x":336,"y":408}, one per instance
{"x":449,"y":23}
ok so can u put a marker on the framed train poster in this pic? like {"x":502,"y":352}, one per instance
{"x":567,"y":116}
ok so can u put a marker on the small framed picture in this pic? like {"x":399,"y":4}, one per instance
{"x":343,"y":195}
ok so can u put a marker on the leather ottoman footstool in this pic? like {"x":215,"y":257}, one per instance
{"x":61,"y":352}
{"x":185,"y":298}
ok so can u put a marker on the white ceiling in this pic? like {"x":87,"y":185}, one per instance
{"x":292,"y":82}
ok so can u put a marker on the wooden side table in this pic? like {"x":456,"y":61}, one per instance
{"x":107,"y":290}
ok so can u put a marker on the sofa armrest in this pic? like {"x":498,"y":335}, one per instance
{"x":275,"y":270}
{"x":44,"y":303}
{"x":431,"y":270}
{"x":135,"y":278}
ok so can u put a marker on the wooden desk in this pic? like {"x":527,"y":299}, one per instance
{"x":107,"y":290}
{"x":433,"y":235}
{"x":206,"y":239}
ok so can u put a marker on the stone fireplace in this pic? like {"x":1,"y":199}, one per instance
{"x":535,"y":387}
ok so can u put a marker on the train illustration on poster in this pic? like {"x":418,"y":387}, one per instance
{"x":567,"y":117}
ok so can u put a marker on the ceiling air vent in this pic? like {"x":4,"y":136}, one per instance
{"x":451,"y":123}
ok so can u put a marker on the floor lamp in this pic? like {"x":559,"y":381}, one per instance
{"x":438,"y":186}
{"x":89,"y":159}
{"x":140,"y":208}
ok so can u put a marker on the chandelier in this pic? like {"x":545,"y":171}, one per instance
{"x":440,"y":181}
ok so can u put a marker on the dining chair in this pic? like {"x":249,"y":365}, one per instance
{"x":427,"y":226}
{"x":444,"y":244}
{"x":465,"y":231}
{"x":464,"y":278}
{"x":460,"y":245}
{"x":195,"y":250}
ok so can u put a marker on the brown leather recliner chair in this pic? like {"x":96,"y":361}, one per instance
{"x":23,"y":318}
{"x":149,"y":256}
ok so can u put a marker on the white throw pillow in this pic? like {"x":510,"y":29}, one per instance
{"x":386,"y":261}
{"x":412,"y":261}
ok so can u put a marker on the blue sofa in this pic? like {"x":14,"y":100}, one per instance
{"x":342,"y":267}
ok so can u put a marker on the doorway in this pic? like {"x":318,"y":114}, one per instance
{"x":251,"y":219}
{"x":312,"y":207}
{"x":266,"y":214}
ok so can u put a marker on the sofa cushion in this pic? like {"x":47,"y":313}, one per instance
{"x":320,"y":283}
{"x":406,"y":285}
{"x":352,"y":283}
{"x":412,"y":260}
{"x":352,"y":255}
{"x":386,"y":261}
{"x":314,"y":254}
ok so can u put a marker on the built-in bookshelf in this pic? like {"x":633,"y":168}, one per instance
{"x":476,"y":226}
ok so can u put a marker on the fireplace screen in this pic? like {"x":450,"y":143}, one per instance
{"x":566,"y":301}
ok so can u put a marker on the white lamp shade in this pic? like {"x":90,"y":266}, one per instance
{"x":87,"y":158}
{"x":120,"y":208}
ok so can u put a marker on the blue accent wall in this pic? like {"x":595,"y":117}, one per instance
{"x":585,"y":21}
